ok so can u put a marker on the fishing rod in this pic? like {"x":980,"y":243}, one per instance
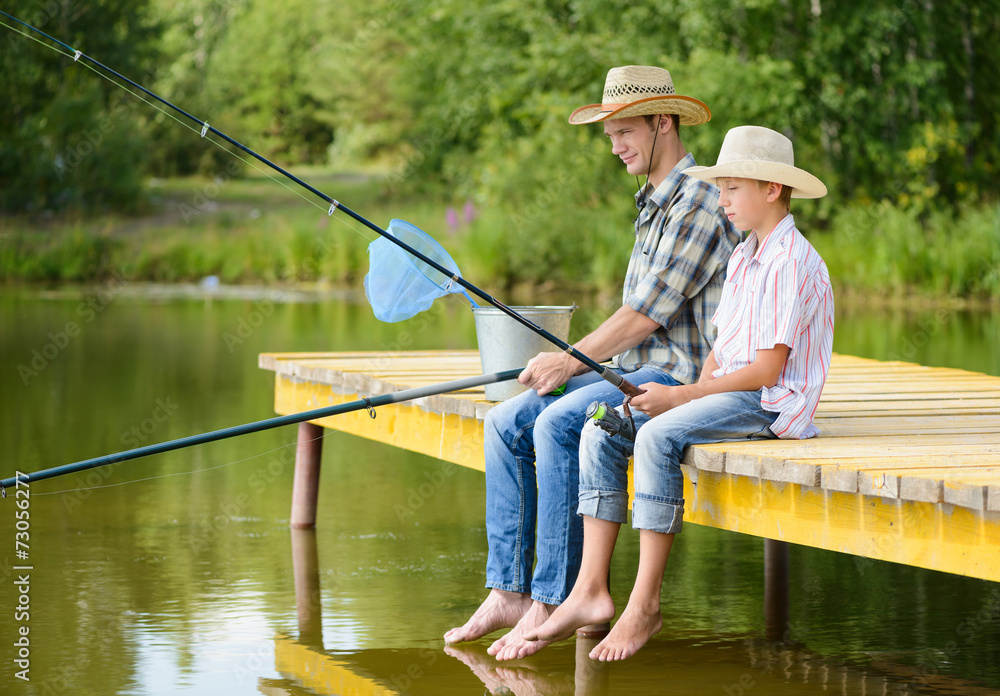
{"x":368,"y":403}
{"x":604,"y":371}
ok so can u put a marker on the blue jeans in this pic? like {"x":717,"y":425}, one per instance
{"x":532,"y":484}
{"x":659,"y":447}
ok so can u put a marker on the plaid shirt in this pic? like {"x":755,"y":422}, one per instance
{"x":683,"y":242}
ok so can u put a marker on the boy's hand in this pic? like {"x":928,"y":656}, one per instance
{"x":660,"y":398}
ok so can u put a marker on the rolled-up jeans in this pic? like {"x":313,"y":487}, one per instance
{"x":658,"y":448}
{"x":532,"y":482}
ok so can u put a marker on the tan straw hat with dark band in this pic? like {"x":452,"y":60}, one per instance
{"x":640,"y":90}
{"x":753,"y":152}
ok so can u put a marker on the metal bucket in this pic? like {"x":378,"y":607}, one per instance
{"x":506,"y":344}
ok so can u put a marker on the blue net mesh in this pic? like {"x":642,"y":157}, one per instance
{"x":398,"y":284}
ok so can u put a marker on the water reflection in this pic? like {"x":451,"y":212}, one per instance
{"x":671,"y":663}
{"x":180,"y":583}
{"x":587,"y":678}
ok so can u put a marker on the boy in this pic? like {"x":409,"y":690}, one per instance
{"x":762,"y":379}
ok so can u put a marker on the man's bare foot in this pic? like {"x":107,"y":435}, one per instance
{"x":513,"y":646}
{"x":525,"y":679}
{"x":632,"y":631}
{"x":583,"y":607}
{"x":481,"y":664}
{"x":501,"y":609}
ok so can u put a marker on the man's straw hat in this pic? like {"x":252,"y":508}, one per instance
{"x":753,"y":152}
{"x":640,"y":90}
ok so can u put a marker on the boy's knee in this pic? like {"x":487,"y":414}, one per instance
{"x":655,"y":440}
{"x":592,"y":437}
{"x":645,"y":437}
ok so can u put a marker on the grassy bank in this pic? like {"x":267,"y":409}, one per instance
{"x":253,"y":230}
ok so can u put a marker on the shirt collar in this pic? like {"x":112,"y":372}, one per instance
{"x":773,"y":241}
{"x":669,"y":186}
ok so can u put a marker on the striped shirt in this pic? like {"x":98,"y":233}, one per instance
{"x":779,"y":293}
{"x":676,"y":273}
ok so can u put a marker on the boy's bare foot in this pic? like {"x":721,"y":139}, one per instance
{"x":513,"y":646}
{"x":501,"y":609}
{"x":632,"y":631}
{"x":581,"y":608}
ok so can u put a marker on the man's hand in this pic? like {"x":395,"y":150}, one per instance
{"x":660,"y":398}
{"x":548,"y":371}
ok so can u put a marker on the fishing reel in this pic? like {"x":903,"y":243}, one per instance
{"x":610,"y":421}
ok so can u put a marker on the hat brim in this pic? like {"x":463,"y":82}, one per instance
{"x":692,"y":112}
{"x":802,"y":183}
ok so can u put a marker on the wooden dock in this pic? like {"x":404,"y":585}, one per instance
{"x":906,"y":469}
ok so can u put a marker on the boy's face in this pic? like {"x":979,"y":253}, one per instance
{"x":745,"y":202}
{"x":631,"y":140}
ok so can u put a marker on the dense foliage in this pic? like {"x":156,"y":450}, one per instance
{"x":70,"y":139}
{"x":885,"y":100}
{"x":891,"y":103}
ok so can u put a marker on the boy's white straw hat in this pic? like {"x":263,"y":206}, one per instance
{"x":641,"y":90}
{"x":754,"y":152}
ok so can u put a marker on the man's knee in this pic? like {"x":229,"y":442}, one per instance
{"x":556,"y":421}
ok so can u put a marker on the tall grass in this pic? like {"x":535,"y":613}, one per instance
{"x":883,"y":249}
{"x":254,"y":232}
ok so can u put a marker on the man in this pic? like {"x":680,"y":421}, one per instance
{"x":661,"y":334}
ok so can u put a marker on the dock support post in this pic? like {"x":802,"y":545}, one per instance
{"x":305,"y":488}
{"x":775,"y":589}
{"x":308,"y":600}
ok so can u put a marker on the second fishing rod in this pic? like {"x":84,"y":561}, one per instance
{"x":605,"y":372}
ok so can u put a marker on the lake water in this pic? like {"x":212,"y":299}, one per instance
{"x":177,"y":574}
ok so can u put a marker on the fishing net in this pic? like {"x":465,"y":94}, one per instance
{"x":398,"y":284}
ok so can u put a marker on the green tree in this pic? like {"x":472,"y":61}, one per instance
{"x":70,"y":138}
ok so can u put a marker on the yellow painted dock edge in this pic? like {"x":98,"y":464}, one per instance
{"x":936,"y":536}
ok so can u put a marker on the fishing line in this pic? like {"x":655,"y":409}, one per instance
{"x":209,"y":136}
{"x":235,"y":153}
{"x":605,"y":372}
{"x":188,"y":473}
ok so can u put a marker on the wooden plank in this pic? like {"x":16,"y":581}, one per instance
{"x":907,"y":467}
{"x":889,"y":423}
{"x":908,"y":405}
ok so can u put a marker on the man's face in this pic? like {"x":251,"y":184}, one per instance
{"x":632,"y":140}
